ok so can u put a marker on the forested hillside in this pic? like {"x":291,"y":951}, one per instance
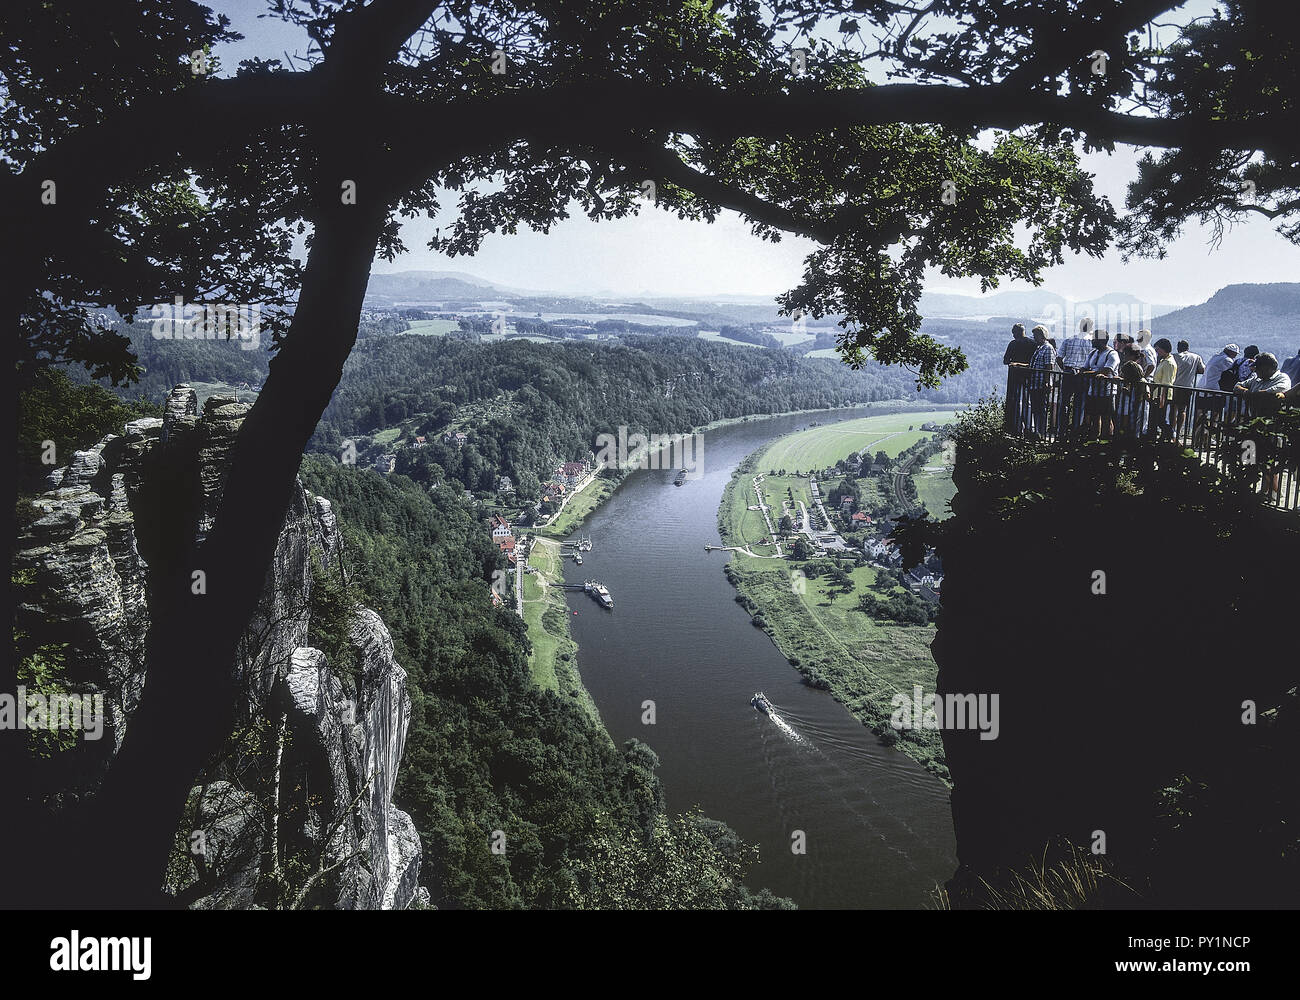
{"x":526,"y":406}
{"x":1263,"y":315}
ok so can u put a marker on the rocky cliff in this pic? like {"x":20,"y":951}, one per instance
{"x":298,"y":810}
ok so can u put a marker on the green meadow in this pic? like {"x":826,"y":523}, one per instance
{"x":821,"y":447}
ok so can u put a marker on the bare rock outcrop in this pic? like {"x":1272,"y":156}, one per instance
{"x":82,"y":561}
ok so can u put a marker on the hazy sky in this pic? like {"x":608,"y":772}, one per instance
{"x":658,"y":254}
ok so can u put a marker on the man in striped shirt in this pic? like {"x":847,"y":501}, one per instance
{"x":1040,"y":381}
{"x":1073,"y":359}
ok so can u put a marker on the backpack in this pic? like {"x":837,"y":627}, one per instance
{"x":1228,"y":379}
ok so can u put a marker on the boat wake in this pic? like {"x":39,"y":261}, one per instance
{"x":789,"y":730}
{"x":761,"y":702}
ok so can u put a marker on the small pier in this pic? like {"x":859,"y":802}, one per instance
{"x":593,"y":587}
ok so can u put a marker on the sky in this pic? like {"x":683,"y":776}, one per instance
{"x":656,"y":254}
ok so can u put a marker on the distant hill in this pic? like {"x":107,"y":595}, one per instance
{"x":1033,"y":304}
{"x":1267,"y":316}
{"x":422,"y":287}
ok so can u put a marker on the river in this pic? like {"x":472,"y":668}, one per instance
{"x":877,"y":826}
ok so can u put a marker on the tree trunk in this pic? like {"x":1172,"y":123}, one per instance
{"x":188,"y":704}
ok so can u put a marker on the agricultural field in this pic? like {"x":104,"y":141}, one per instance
{"x":432,"y":327}
{"x":821,"y":447}
{"x":205,"y":389}
{"x":934,"y":490}
{"x":718,"y":338}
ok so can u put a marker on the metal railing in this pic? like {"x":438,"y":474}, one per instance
{"x":1053,"y":406}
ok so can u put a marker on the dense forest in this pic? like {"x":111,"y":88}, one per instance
{"x":162,"y":364}
{"x":488,"y":750}
{"x":524,"y":407}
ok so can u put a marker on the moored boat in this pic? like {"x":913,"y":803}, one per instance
{"x":600,"y":592}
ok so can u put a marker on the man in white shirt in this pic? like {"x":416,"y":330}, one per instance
{"x":1262,"y":394}
{"x":1148,"y":352}
{"x":1101,"y":375}
{"x":1218,"y":364}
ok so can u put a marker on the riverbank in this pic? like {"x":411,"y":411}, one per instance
{"x":553,"y":662}
{"x":579,"y":507}
{"x":882,"y":405}
{"x":812,"y":614}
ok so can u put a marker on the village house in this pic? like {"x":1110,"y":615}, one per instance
{"x":846,"y":503}
{"x":504,"y":485}
{"x":419,"y":441}
{"x":881,"y":550}
{"x":571,"y":473}
{"x":507,"y":545}
{"x":860,"y":519}
{"x":500,"y":528}
{"x":458,"y":438}
{"x":386,"y":463}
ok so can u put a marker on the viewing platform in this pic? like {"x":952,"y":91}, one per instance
{"x":1049,"y":406}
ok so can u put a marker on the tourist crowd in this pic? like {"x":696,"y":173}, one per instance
{"x":1132,"y":385}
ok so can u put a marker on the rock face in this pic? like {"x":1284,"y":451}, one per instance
{"x":318,"y":781}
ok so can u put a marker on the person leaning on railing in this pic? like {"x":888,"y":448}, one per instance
{"x":1017,"y":357}
{"x":1264,"y":393}
{"x":1073,"y":359}
{"x":1149,"y":356}
{"x":1265,"y":387}
{"x":1190,"y":365}
{"x":1040,"y":368}
{"x":1102,"y":383}
{"x":1131,"y":401}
